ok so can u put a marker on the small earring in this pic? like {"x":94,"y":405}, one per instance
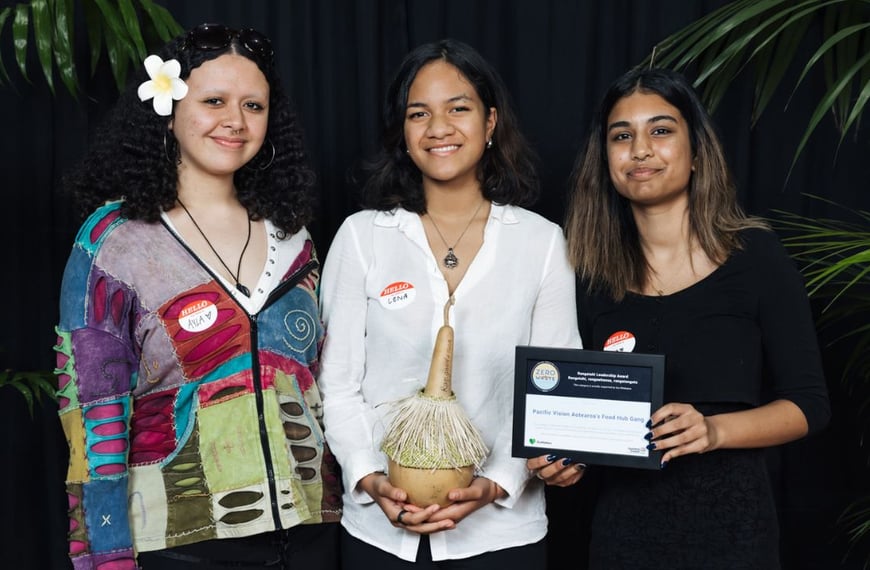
{"x":177,"y":160}
{"x":252,"y":166}
{"x":489,"y":143}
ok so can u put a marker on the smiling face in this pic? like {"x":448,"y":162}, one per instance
{"x":222,"y":122}
{"x":446,"y":125}
{"x":649,"y":153}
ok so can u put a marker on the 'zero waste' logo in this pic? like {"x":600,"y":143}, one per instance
{"x":545,"y":376}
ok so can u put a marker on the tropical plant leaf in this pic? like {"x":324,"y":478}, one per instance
{"x":711,"y":30}
{"x":857,"y":110}
{"x":773,"y":62}
{"x":156,"y":13}
{"x":131,"y":25}
{"x":771,"y":33}
{"x":20,"y":27}
{"x":825,"y":48}
{"x":43,"y":34}
{"x":63,"y":50}
{"x":116,"y":27}
{"x":93,"y":23}
{"x":33,"y":385}
{"x":119,"y":49}
{"x":827,"y":102}
{"x":4,"y":15}
{"x":834,"y":257}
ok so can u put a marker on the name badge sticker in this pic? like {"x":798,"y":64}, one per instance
{"x":198,"y":316}
{"x":620,"y":341}
{"x":397,"y":295}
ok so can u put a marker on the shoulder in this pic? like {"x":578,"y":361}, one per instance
{"x":99,"y":225}
{"x":525,"y":219}
{"x":760,"y":243}
{"x":369,"y":218}
{"x":764,"y":253}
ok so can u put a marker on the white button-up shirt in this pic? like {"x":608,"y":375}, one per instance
{"x":382,"y":299}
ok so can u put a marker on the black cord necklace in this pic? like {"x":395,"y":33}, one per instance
{"x":242,"y":289}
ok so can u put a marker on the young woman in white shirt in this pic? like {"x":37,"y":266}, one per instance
{"x":444,"y":215}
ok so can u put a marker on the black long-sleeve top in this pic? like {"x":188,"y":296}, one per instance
{"x":741,"y":337}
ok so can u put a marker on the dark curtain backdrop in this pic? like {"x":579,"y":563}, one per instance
{"x":336,"y":57}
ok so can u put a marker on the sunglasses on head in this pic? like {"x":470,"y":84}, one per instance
{"x":218,"y":36}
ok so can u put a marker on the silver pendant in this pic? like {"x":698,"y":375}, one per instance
{"x":450,"y":260}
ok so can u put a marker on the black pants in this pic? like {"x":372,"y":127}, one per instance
{"x":359,"y":555}
{"x":303,"y":547}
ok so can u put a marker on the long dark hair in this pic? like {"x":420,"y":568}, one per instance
{"x":133,"y":155}
{"x":603,"y":241}
{"x":507,"y":170}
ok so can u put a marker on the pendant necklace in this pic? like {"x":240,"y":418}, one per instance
{"x":241,"y":288}
{"x":450,"y":260}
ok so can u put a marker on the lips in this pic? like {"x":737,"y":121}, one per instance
{"x":229,"y":142}
{"x":643,"y":173}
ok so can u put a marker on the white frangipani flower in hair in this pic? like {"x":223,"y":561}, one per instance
{"x":164,"y":85}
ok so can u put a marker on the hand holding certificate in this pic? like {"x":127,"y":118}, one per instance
{"x":588,"y":405}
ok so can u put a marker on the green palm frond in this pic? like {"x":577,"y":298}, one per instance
{"x":856,"y":518}
{"x":117,"y":28}
{"x":767,"y":34}
{"x":834,"y":256}
{"x":33,"y":385}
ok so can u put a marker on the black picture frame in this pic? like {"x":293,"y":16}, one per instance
{"x":587,"y":405}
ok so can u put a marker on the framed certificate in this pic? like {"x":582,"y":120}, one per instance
{"x":589,"y":405}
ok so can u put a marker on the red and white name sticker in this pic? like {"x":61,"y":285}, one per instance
{"x":620,"y":341}
{"x":198,"y":316}
{"x":397,"y":295}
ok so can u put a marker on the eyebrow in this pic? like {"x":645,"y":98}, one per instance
{"x":460,"y":97}
{"x":651,"y":120}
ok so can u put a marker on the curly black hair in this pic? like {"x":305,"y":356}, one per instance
{"x":507,"y":171}
{"x":133,"y":155}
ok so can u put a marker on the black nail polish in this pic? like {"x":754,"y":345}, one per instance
{"x":648,"y":424}
{"x":648,"y":436}
{"x":567,"y":461}
{"x":551,"y":458}
{"x":664,"y":464}
{"x":651,"y":445}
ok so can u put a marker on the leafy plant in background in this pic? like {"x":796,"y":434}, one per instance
{"x":33,"y":386}
{"x":767,"y":34}
{"x":766,"y":38}
{"x":113,"y":27}
{"x":835,"y":256}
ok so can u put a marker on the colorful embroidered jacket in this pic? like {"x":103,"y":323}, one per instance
{"x":187,"y":418}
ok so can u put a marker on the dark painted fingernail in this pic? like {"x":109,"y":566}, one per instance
{"x":580,"y":466}
{"x":664,"y":464}
{"x":567,"y":461}
{"x":648,"y":424}
{"x":648,"y":436}
{"x":651,"y":445}
{"x":551,"y":458}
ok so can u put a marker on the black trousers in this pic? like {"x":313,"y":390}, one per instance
{"x":359,"y":555}
{"x":303,"y":547}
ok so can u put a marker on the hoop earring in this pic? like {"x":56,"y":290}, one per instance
{"x":268,"y":164}
{"x":169,"y":159}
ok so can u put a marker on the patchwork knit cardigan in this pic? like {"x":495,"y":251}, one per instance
{"x":187,"y":418}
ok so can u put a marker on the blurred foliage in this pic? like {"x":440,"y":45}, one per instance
{"x":766,"y":36}
{"x":33,"y":386}
{"x":120,"y":29}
